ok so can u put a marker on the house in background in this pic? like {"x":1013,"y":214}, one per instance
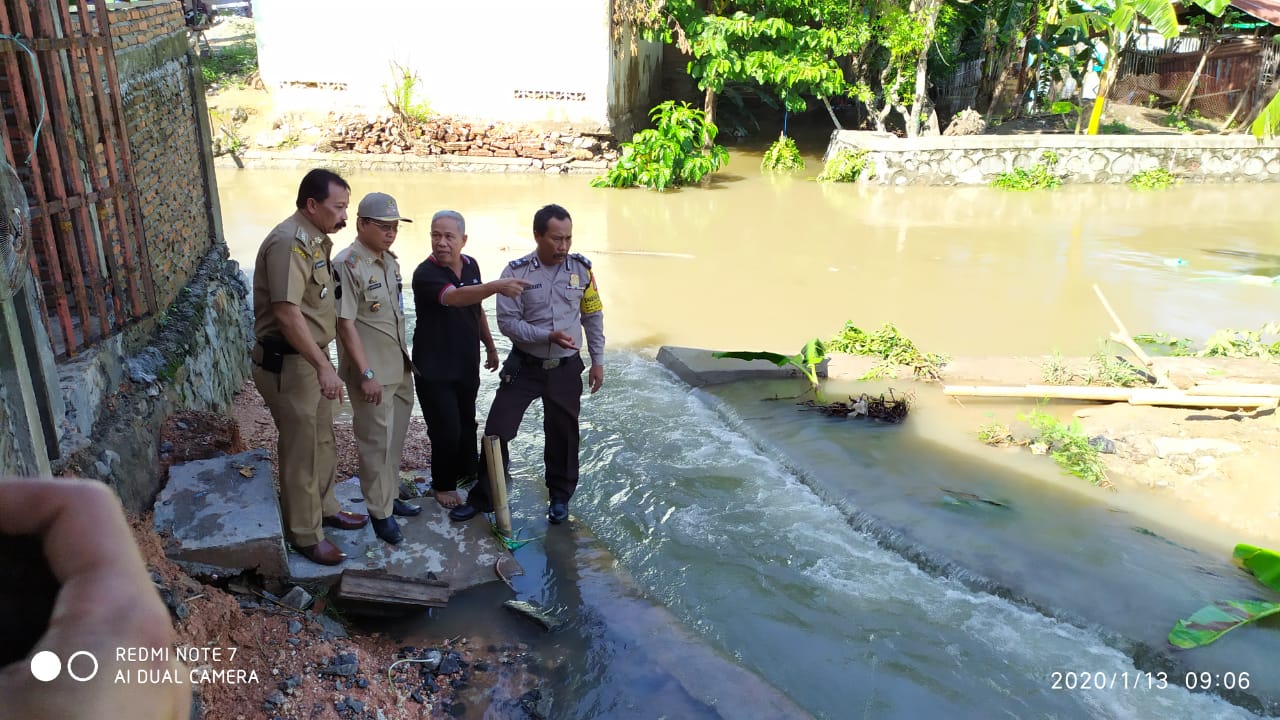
{"x":1233,"y":76}
{"x":552,"y":63}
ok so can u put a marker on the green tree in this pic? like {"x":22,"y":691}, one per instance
{"x":792,"y":48}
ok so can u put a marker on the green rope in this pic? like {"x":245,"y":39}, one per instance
{"x":35,"y":68}
{"x":512,"y":542}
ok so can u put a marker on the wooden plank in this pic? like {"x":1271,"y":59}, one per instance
{"x":1242,"y":389}
{"x":1164,"y":397}
{"x":1056,"y":392}
{"x":380,"y":588}
{"x":1134,"y":396}
{"x":497,"y":483}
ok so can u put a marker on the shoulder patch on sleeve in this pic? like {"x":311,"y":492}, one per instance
{"x":519,"y":262}
{"x":581,"y":259}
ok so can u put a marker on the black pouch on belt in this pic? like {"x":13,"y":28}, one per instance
{"x":510,"y":367}
{"x":273,"y":352}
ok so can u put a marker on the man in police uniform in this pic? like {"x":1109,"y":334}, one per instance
{"x":545,"y":324}
{"x":373,"y":358}
{"x":294,"y":322}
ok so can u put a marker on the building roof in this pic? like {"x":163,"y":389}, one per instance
{"x":1267,"y":10}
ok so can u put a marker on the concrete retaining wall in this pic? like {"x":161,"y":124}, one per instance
{"x":979,"y":159}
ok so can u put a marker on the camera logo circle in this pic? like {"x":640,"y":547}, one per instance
{"x":92,"y":658}
{"x":46,"y":666}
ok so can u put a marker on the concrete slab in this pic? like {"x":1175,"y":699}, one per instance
{"x":697,"y":368}
{"x":364,"y":550}
{"x":461,"y":554}
{"x":221,"y":516}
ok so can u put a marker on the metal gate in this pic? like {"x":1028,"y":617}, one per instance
{"x":65,"y":132}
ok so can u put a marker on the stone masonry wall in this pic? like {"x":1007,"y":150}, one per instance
{"x":197,"y":358}
{"x":978,"y":159}
{"x":159,"y":87}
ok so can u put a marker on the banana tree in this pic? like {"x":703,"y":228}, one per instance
{"x":806,"y":361}
{"x":1213,"y":621}
{"x":1116,"y":21}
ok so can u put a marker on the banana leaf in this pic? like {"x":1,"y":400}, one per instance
{"x":1213,"y":621}
{"x":805,"y":361}
{"x":1263,"y":563}
{"x":776,"y":358}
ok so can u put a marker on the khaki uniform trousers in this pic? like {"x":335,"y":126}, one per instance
{"x":306,"y":451}
{"x":379,"y":431}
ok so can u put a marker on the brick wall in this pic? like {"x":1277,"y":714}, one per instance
{"x":161,"y":93}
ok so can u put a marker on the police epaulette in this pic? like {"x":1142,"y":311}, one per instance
{"x":520,"y":262}
{"x":581,"y":259}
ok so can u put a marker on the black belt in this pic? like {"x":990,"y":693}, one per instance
{"x":544,"y":363}
{"x":279,"y":345}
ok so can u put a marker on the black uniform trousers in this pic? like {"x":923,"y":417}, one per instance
{"x":449,"y":409}
{"x":560,"y":389}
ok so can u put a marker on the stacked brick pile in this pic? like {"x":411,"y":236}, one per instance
{"x":445,"y":136}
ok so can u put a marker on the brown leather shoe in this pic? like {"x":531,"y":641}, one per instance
{"x":344,"y":520}
{"x":324,"y":552}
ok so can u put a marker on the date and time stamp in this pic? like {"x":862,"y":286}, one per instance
{"x":1071,"y":680}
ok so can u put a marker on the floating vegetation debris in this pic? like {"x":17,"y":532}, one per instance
{"x":891,"y":409}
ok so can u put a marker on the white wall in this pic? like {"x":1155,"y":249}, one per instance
{"x":472,"y":56}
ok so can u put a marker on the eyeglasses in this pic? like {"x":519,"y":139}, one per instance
{"x":383,"y":226}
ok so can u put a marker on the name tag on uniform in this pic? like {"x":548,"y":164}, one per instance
{"x":374,"y":286}
{"x":573,"y":281}
{"x":535,"y":287}
{"x":319,"y":264}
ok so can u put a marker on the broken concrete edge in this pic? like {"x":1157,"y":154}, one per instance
{"x":697,"y":368}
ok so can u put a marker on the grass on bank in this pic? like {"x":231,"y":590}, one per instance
{"x":1040,"y":176}
{"x":1104,"y":369}
{"x":893,"y":349}
{"x":1263,"y":343}
{"x":230,"y":66}
{"x":1066,"y":443}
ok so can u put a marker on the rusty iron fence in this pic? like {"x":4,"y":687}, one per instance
{"x":1235,"y":74}
{"x":64,"y":131}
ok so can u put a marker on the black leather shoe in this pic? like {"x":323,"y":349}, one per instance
{"x":404,"y":509}
{"x":558,"y":511}
{"x":388,"y":530}
{"x":463,"y":512}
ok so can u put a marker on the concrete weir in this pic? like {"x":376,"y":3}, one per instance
{"x":221,"y":516}
{"x":1070,"y":556}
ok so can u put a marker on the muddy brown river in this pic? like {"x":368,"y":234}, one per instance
{"x":717,"y":552}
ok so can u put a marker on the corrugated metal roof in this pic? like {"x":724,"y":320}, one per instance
{"x":1268,"y":10}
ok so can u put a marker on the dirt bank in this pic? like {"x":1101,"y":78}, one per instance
{"x":308,"y":663}
{"x":1209,"y":466}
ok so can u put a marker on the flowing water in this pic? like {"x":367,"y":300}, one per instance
{"x":701,"y":560}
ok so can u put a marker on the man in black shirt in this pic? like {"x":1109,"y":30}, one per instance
{"x":451,"y":325}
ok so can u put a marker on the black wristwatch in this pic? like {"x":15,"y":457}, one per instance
{"x":367,"y":374}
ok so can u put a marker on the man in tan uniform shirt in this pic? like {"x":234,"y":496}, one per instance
{"x":373,"y":358}
{"x":294,"y":322}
